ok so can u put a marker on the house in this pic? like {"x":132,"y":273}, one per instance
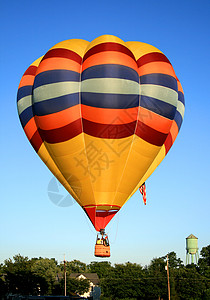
{"x":95,"y":290}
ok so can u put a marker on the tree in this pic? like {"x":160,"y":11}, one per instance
{"x":204,"y":261}
{"x":205,"y":253}
{"x":39,"y":276}
{"x":3,"y":286}
{"x":47,"y":269}
{"x":173,"y":261}
{"x":122,"y":288}
{"x":124,"y":281}
{"x":190,"y":284}
{"x":204,"y":269}
{"x":75,"y":266}
{"x":102,"y":268}
{"x":19,"y":278}
{"x":157,"y":279}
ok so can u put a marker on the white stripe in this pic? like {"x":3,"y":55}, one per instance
{"x":53,"y":90}
{"x":105,"y":85}
{"x":111,"y":86}
{"x":160,"y":92}
{"x":24,"y":103}
{"x":181,"y":108}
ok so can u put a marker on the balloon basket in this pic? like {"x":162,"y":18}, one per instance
{"x":102,"y":251}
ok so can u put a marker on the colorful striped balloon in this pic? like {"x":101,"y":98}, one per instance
{"x":102,"y":116}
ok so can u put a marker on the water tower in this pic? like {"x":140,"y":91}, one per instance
{"x":192,"y":249}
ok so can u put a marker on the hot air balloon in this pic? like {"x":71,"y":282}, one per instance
{"x":101,"y":115}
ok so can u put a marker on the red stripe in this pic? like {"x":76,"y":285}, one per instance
{"x":108,"y":47}
{"x":108,"y":131}
{"x":168,"y":142}
{"x":71,"y":130}
{"x":99,"y":205}
{"x":150,"y":135}
{"x":103,"y":214}
{"x":62,"y":134}
{"x":36,"y":141}
{"x":151,"y":57}
{"x":31,"y":71}
{"x":64,"y":53}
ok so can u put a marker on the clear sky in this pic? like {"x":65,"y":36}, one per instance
{"x":178,"y":192}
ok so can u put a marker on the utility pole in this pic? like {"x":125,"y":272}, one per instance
{"x":169,"y":296}
{"x":64,"y":276}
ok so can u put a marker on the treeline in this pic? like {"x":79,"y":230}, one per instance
{"x":43,"y":276}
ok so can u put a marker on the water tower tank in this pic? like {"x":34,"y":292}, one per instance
{"x":192,"y":248}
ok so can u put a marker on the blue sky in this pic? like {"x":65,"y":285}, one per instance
{"x":178,"y":194}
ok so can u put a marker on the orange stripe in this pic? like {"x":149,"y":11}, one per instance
{"x":180,"y":89}
{"x":56,"y":63}
{"x":59,"y":119}
{"x":109,"y":116}
{"x":26,"y":80}
{"x":157,"y":67}
{"x":30,"y":128}
{"x":154,"y":120}
{"x":174,"y":131}
{"x":110,"y":57}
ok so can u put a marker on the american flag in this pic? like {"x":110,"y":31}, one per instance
{"x":142,"y":190}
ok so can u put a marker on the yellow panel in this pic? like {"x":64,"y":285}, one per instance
{"x":105,"y":39}
{"x":71,"y":146}
{"x":161,"y":155}
{"x":70,"y":157}
{"x":104,"y":197}
{"x":112,"y":199}
{"x":141,"y":157}
{"x":77,"y":177}
{"x":37,"y":62}
{"x":76,"y":45}
{"x":120,"y":199}
{"x":139,"y":49}
{"x":47,"y":159}
{"x":106,"y":159}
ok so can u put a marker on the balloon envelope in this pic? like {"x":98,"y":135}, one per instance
{"x":101,"y":115}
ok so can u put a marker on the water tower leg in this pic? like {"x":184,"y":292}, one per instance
{"x":196,"y":257}
{"x":192,"y":258}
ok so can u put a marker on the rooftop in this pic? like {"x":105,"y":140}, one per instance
{"x":93,"y":277}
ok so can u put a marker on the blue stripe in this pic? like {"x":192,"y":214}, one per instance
{"x":109,"y":100}
{"x":181,"y":97}
{"x":24,"y":91}
{"x":178,"y":119}
{"x":26,"y":116}
{"x":53,"y":76}
{"x":160,"y":79}
{"x":159,"y":107}
{"x":110,"y":71}
{"x":55,"y":105}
